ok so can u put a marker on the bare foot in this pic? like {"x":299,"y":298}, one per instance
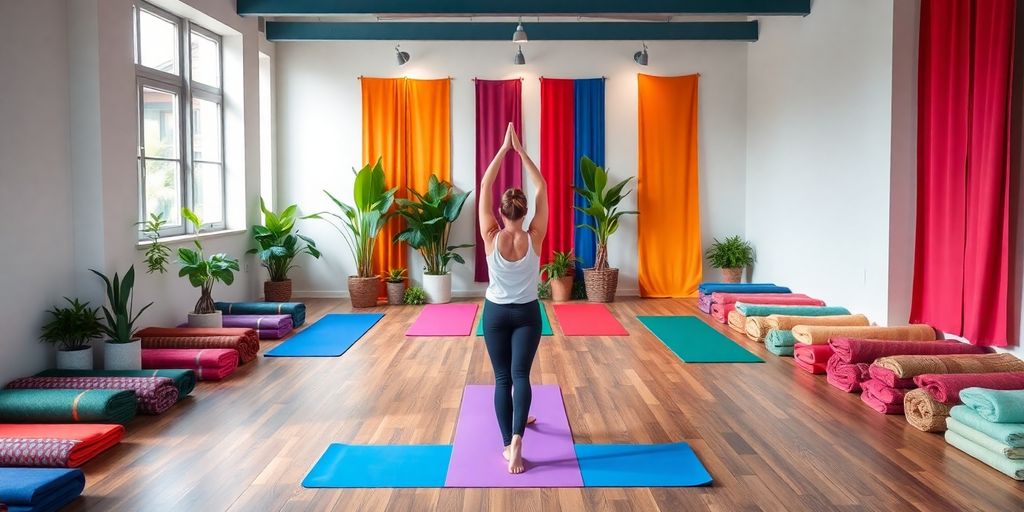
{"x":515,"y":455}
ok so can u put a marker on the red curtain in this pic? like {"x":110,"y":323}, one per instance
{"x":557,"y":147}
{"x":961,"y":271}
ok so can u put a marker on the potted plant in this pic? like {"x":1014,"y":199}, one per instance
{"x":72,"y":330}
{"x":428,"y":227}
{"x":203,"y":272}
{"x":122,"y":350}
{"x":395,"y":279}
{"x":601,"y":204}
{"x":732,"y":256}
{"x":157,"y":254}
{"x":359,"y":226}
{"x":559,"y":275}
{"x":414,"y":296}
{"x":277,"y":247}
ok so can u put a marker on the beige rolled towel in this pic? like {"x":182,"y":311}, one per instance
{"x":819,"y":334}
{"x":923,"y":412}
{"x":757,"y":327}
{"x":905,"y":367}
{"x":737,"y":321}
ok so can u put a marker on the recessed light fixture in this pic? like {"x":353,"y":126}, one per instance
{"x":641,"y":56}
{"x":400,"y":56}
{"x":519,"y":36}
{"x":520,"y":58}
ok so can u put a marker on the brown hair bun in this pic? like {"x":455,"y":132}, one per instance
{"x":513,"y":204}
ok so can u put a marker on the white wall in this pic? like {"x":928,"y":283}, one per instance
{"x":819,"y":125}
{"x":319,"y":127}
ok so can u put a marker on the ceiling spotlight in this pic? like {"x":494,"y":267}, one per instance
{"x":400,"y":56}
{"x":520,"y":58}
{"x":519,"y":36}
{"x":641,"y":56}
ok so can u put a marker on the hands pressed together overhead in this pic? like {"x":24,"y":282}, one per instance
{"x":512,"y":140}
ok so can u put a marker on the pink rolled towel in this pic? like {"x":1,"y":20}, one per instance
{"x":845,"y":376}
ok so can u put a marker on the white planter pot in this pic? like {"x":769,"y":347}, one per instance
{"x":210,"y":320}
{"x":123,"y":356}
{"x":438,"y":288}
{"x":74,"y":359}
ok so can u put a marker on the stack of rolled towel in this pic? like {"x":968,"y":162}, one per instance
{"x":757,"y":316}
{"x":55,"y":445}
{"x":811,"y":346}
{"x":704,"y":291}
{"x":722,"y":303}
{"x":242,"y":340}
{"x":848,"y":376}
{"x":267,"y":327}
{"x":989,"y":426}
{"x":154,"y":394}
{"x":40,"y":489}
{"x":781,"y":340}
{"x":296,"y":310}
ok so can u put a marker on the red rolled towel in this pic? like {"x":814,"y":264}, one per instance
{"x":887,"y":394}
{"x":720,"y":310}
{"x":812,"y":358}
{"x":945,"y":387}
{"x":245,"y":341}
{"x":208,"y":363}
{"x":873,"y":401}
{"x":853,"y":350}
{"x":846,"y":376}
{"x":56,"y":445}
{"x":889,"y":378}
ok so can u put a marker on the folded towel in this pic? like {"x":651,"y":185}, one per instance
{"x":888,"y":369}
{"x":923,"y":412}
{"x":704,"y":302}
{"x":879,"y":404}
{"x":779,"y":343}
{"x":845,"y":376}
{"x":40,"y":489}
{"x":885,"y":394}
{"x":856,"y":350}
{"x":997,"y":406}
{"x":245,"y":341}
{"x":720,"y":310}
{"x":818,"y":334}
{"x":1009,"y":467}
{"x":737,"y":321}
{"x":976,"y":436}
{"x":1010,"y":434}
{"x":55,"y":445}
{"x":155,"y":394}
{"x":208,"y":364}
{"x":297,"y":310}
{"x":757,"y":326}
{"x":184,"y":380}
{"x":812,"y":358}
{"x":709,"y":288}
{"x":946,"y":387}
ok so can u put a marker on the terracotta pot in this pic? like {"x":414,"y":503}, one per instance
{"x":363,"y":291}
{"x":601,"y":284}
{"x":277,"y":291}
{"x":732,"y":275}
{"x":561,"y":288}
{"x":396,"y":293}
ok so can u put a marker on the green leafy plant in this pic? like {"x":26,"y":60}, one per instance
{"x":733,"y":252}
{"x":414,"y":296}
{"x":395,"y":275}
{"x":203,"y":272}
{"x":429,"y":223}
{"x":543,"y":290}
{"x":602,"y":204}
{"x":276,"y":245}
{"x":359,"y":225}
{"x":561,"y":264}
{"x":157,"y":254}
{"x":579,"y":290}
{"x":73,"y":327}
{"x":119,"y":313}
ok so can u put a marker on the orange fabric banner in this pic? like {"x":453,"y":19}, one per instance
{"x":429,"y":132}
{"x":668,"y":227}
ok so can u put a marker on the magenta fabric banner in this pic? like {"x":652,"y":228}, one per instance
{"x":498,"y":102}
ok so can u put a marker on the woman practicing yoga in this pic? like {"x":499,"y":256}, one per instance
{"x":511,"y":320}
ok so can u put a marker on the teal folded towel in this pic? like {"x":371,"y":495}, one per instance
{"x":1009,"y":467}
{"x":983,"y":440}
{"x":998,"y":406}
{"x":1010,"y":434}
{"x":779,"y":342}
{"x":767,"y":309}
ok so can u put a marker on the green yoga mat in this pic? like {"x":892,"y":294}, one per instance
{"x":545,"y":324}
{"x":67,"y":406}
{"x":695,"y":341}
{"x":184,"y":380}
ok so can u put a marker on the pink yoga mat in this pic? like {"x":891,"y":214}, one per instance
{"x":588,"y":320}
{"x":547,"y":444}
{"x":444,"y":320}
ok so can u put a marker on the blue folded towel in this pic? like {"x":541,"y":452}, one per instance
{"x":708,"y":288}
{"x":39,"y":489}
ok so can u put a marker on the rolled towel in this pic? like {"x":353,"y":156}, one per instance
{"x":888,"y":369}
{"x":954,"y":425}
{"x":1010,"y":434}
{"x":845,"y":376}
{"x":890,"y":378}
{"x":208,"y":364}
{"x":1009,"y":467}
{"x":40,"y":489}
{"x":704,"y":302}
{"x":709,"y":288}
{"x":788,"y":322}
{"x":946,"y":387}
{"x":297,"y":310}
{"x":856,"y":350}
{"x":779,"y":342}
{"x":737,"y":321}
{"x":754,"y":309}
{"x":923,"y":412}
{"x":882,"y":398}
{"x":757,"y":326}
{"x":997,"y":406}
{"x":67,"y":406}
{"x":720,"y":310}
{"x":184,"y":380}
{"x":54,"y":445}
{"x":812,"y":358}
{"x":880,"y":405}
{"x":818,"y":334}
{"x":155,"y":394}
{"x":243,"y":340}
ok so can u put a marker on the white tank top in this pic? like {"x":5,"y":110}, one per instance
{"x":513,"y":282}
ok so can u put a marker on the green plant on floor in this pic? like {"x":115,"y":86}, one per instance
{"x":395,"y":275}
{"x":415,"y":296}
{"x":360,"y":224}
{"x":119,"y":312}
{"x":202,"y":271}
{"x":543,"y":290}
{"x":73,"y":327}
{"x":602,"y":204}
{"x":733,"y":252}
{"x":579,"y":290}
{"x":157,"y":254}
{"x":429,"y":223}
{"x":561,"y":265}
{"x":276,"y":245}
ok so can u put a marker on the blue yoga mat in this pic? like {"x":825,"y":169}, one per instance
{"x":39,"y":489}
{"x":330,"y":336}
{"x":640,"y":465}
{"x":368,"y":466}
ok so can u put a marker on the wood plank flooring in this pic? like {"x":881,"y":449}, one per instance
{"x":772,"y":436}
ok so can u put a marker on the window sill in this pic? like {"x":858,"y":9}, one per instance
{"x":172,"y":240}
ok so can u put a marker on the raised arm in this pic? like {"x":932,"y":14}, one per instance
{"x":539,"y":225}
{"x":485,"y":196}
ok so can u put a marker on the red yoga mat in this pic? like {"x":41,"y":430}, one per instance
{"x":588,"y":320}
{"x":946,"y":387}
{"x":812,"y":358}
{"x":852,"y":350}
{"x":87,"y":440}
{"x":208,"y":363}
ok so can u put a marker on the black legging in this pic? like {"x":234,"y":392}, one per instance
{"x":512,"y":334}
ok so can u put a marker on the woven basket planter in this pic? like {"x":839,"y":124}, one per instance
{"x":363,"y":291}
{"x":277,"y":291}
{"x":601,"y":284}
{"x":732,"y":275}
{"x":396,"y":293}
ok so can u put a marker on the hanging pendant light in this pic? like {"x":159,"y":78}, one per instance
{"x":641,"y":56}
{"x":519,"y":36}
{"x":520,"y":58}
{"x":400,"y":56}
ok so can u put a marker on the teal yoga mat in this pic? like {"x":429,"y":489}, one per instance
{"x":331,"y":336}
{"x":371,"y":466}
{"x":545,"y":324}
{"x":695,"y":341}
{"x":641,"y":465}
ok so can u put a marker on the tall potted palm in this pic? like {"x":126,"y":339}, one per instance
{"x":203,"y":272}
{"x":122,"y":351}
{"x":602,"y":203}
{"x":428,"y":222}
{"x":359,"y":225}
{"x":277,"y":247}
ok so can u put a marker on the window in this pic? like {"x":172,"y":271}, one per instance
{"x":181,"y":120}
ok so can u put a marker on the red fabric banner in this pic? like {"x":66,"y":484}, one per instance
{"x":557,"y":147}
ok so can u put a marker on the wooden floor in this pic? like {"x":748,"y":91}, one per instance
{"x":773,"y":437}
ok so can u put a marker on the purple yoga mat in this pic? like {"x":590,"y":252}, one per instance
{"x":444,"y":320}
{"x":547,"y":444}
